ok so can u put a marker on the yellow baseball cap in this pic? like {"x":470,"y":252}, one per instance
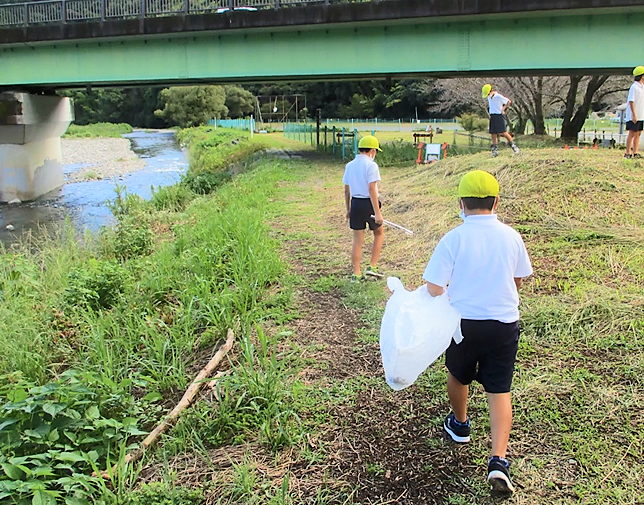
{"x":639,"y":70}
{"x":478,"y":184}
{"x":485,"y":91}
{"x":369,"y":142}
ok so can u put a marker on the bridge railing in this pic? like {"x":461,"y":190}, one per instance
{"x":63,"y":11}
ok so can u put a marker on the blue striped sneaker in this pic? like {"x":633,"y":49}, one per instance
{"x":498,"y":475}
{"x":460,"y":432}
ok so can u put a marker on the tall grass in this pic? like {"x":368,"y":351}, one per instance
{"x":140,"y":304}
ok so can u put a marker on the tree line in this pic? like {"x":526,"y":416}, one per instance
{"x":534,"y":100}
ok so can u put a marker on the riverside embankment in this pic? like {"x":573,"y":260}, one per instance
{"x":301,"y":413}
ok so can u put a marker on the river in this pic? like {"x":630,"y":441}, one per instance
{"x":84,"y":203}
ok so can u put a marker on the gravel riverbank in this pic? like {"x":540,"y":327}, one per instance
{"x":100,"y":158}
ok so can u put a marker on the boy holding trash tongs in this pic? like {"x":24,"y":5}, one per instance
{"x":481,"y":263}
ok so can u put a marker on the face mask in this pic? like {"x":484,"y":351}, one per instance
{"x":462,"y":215}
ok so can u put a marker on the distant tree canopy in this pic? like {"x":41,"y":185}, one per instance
{"x":534,"y":99}
{"x":134,"y":106}
{"x":384,"y":99}
{"x":240,"y":103}
{"x":155,"y":107}
{"x":187,"y":106}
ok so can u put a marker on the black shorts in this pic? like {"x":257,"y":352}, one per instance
{"x":361,"y":212}
{"x":486,"y":354}
{"x":497,"y":123}
{"x":635,"y":127}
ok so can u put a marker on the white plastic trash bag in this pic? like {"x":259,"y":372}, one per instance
{"x":416,"y":329}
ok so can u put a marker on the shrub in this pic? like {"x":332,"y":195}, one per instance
{"x":95,"y":285}
{"x":132,"y":237}
{"x":125,"y":203}
{"x":216,"y":155}
{"x":173,"y":198}
{"x":472,"y":122}
{"x":397,"y":152}
{"x":204,"y":183}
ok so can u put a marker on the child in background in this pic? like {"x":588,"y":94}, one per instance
{"x":481,"y":263}
{"x":360,"y":180}
{"x":497,"y":105}
{"x":635,"y":114}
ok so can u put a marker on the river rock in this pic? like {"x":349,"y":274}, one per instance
{"x":15,"y":201}
{"x":10,"y":227}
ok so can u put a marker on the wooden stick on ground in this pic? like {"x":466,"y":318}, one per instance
{"x":186,"y":400}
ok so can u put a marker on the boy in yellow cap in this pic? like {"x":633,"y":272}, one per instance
{"x":635,"y":114}
{"x":481,"y":264}
{"x":360,"y":180}
{"x":498,"y":104}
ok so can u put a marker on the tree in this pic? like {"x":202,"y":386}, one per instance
{"x":583,"y":93}
{"x":187,"y":106}
{"x":534,"y":98}
{"x":360,"y":107}
{"x":240,"y":103}
{"x":134,"y":106}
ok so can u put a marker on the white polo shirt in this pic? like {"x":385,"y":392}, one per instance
{"x":635,"y":95}
{"x":359,"y":173}
{"x":496,"y":101}
{"x":480,"y":259}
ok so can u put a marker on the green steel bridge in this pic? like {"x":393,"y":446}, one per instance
{"x":54,"y":44}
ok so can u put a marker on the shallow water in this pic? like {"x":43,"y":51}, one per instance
{"x":84,"y":203}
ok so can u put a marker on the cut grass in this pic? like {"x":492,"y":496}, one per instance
{"x":578,"y":386}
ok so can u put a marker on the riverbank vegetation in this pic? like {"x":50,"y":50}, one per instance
{"x":107,"y":130}
{"x":102,"y":337}
{"x":99,"y":338}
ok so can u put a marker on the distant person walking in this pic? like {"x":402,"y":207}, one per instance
{"x":498,"y":104}
{"x":360,"y":180}
{"x":635,"y":114}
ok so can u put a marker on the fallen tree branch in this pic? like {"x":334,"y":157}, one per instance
{"x":186,"y":400}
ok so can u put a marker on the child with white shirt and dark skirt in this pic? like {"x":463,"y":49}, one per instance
{"x":497,"y":106}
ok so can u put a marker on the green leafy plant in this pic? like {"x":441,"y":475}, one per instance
{"x":54,"y":437}
{"x":161,"y":493}
{"x":397,"y":152}
{"x":96,"y":285}
{"x":125,"y":203}
{"x":132,"y":237}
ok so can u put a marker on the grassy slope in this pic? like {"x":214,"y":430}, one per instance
{"x":579,"y":386}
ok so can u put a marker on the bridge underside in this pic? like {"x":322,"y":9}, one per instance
{"x":556,"y":44}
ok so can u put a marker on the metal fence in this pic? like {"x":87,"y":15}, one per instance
{"x":63,"y":11}
{"x":340,"y":142}
{"x":237,"y":124}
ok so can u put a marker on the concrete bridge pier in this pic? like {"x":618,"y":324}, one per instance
{"x":30,"y":149}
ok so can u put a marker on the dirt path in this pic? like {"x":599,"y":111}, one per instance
{"x":387,"y":446}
